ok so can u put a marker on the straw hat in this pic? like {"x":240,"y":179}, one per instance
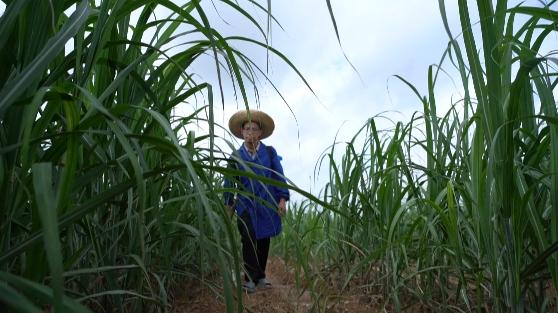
{"x":239,"y":118}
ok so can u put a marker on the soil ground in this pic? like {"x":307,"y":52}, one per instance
{"x":284,"y":297}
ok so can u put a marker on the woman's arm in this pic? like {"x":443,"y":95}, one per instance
{"x":281,"y":193}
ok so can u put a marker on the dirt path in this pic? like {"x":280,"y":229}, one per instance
{"x":284,"y":297}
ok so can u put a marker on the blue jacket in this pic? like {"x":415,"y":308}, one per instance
{"x":258,"y":198}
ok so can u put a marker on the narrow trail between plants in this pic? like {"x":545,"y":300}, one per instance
{"x":284,"y":297}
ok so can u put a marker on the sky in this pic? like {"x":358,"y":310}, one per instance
{"x":380,"y":38}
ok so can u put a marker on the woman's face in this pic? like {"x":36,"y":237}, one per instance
{"x":251,"y":132}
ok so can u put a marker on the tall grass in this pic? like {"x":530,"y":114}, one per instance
{"x":108,"y":196}
{"x":473,"y":227}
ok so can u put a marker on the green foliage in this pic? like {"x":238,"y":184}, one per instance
{"x":100,"y":175}
{"x":473,"y":227}
{"x":108,"y":198}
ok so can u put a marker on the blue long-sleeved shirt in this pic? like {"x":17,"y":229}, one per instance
{"x":258,"y":198}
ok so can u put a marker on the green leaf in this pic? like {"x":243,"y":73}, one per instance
{"x":34,"y":71}
{"x":46,"y":206}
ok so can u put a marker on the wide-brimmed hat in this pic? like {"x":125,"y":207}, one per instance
{"x":239,"y":118}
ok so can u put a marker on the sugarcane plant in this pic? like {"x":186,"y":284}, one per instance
{"x":108,"y":196}
{"x":455,"y":211}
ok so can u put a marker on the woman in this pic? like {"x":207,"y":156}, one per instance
{"x":259,"y":206}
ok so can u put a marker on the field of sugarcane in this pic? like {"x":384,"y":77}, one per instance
{"x":111,"y":197}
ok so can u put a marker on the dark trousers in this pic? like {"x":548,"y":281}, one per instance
{"x":254,"y":251}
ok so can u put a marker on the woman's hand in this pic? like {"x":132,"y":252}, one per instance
{"x":230,"y":209}
{"x":282,"y":207}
